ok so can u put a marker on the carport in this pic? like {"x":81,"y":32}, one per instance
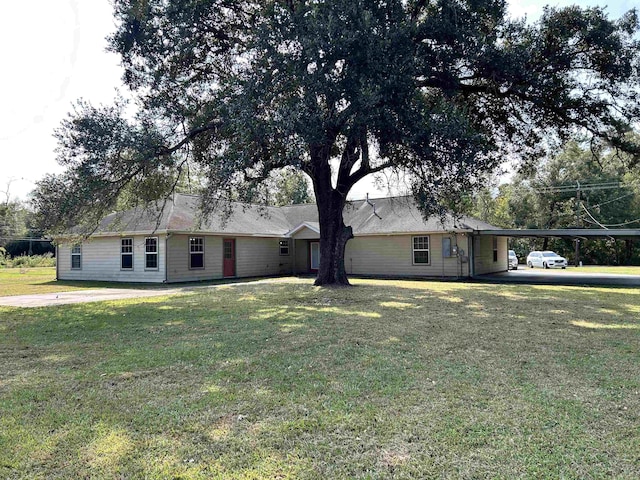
{"x":573,"y":277}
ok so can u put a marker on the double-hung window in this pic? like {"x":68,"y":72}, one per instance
{"x":196,"y":252}
{"x":76,"y":257}
{"x":151,"y":253}
{"x":126,"y":253}
{"x":284,"y":247}
{"x":420,"y":250}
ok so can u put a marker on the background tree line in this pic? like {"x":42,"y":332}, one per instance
{"x":19,"y":230}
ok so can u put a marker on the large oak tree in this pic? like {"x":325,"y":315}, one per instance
{"x":231,"y":90}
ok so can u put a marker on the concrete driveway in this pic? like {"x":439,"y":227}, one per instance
{"x":83,"y":296}
{"x":560,"y":277}
{"x":102,"y":294}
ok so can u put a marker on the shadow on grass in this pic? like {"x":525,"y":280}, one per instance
{"x":150,"y":286}
{"x":406,"y":379}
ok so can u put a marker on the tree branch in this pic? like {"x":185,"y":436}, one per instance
{"x":363,"y":172}
{"x":189,"y":136}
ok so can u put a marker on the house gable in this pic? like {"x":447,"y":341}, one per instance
{"x":305,"y":231}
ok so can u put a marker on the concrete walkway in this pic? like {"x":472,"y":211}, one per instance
{"x":102,"y":294}
{"x":84,"y":296}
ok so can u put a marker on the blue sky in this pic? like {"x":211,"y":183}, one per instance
{"x":55,"y":54}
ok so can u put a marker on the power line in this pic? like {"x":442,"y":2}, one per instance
{"x":613,"y":224}
{"x":606,"y":227}
{"x":592,"y":217}
{"x":613,"y":200}
{"x":578,"y":186}
{"x":18,"y":239}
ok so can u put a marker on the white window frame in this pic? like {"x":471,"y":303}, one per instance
{"x":285,"y":247}
{"x":414,"y":250}
{"x":128,"y":253}
{"x":495,"y":248}
{"x":198,"y":250}
{"x":148,"y":252}
{"x":76,"y":251}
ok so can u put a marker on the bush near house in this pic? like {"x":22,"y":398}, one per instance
{"x":26,"y":261}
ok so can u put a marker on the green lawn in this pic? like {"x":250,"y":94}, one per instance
{"x":606,"y":269}
{"x":30,"y":281}
{"x":383,"y":380}
{"x":594,"y":269}
{"x":25,"y":281}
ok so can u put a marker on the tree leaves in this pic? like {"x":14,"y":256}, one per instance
{"x":232,"y":90}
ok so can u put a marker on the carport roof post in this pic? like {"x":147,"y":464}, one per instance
{"x":565,"y":233}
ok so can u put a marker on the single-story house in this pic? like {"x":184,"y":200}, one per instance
{"x":390,"y":239}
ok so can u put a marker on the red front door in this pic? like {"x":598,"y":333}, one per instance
{"x":229,"y":257}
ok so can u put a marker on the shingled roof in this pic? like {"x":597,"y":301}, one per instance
{"x":394,"y":215}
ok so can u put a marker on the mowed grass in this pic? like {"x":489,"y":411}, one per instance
{"x":388,"y":379}
{"x":622,"y":270}
{"x":25,"y":281}
{"x":593,"y":269}
{"x":32,"y":281}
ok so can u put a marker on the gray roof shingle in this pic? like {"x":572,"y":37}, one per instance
{"x":394,"y":215}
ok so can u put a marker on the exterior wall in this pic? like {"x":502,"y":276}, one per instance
{"x":255,"y":256}
{"x":178,"y":259}
{"x":392,"y":255}
{"x":101,"y":261}
{"x":384,"y":255}
{"x":483,"y":255}
{"x":261,"y":256}
{"x":307,"y":234}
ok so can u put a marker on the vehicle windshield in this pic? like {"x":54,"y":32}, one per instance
{"x":549,"y":254}
{"x":512,"y":253}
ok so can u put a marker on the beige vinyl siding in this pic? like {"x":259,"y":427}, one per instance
{"x":483,"y":253}
{"x":178,"y":259}
{"x":255,"y":256}
{"x":101,"y":261}
{"x":392,"y":255}
{"x":261,"y":256}
{"x":306,"y":234}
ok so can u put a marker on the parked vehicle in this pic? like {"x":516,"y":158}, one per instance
{"x":546,"y":259}
{"x":513,"y":260}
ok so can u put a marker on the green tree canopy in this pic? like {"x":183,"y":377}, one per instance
{"x":340,"y":90}
{"x":290,"y":187}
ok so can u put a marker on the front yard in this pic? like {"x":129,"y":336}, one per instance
{"x":33,"y":281}
{"x":383,"y":380}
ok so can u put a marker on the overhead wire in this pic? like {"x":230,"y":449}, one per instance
{"x":592,"y":217}
{"x":606,"y":227}
{"x":613,"y":200}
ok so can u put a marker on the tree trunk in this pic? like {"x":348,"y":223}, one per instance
{"x":334,"y":235}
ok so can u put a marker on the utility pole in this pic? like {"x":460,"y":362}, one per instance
{"x":578,"y":224}
{"x":584,"y":187}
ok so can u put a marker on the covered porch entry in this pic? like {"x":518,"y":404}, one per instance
{"x":306,"y":246}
